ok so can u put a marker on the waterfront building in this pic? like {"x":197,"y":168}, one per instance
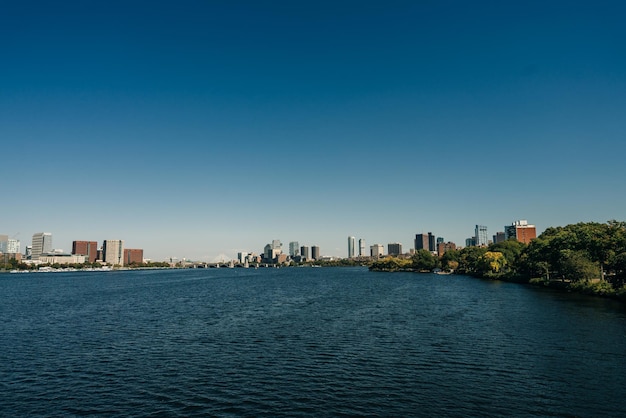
{"x":113,"y":252}
{"x":133,"y":256}
{"x":53,"y":258}
{"x":9,"y":245}
{"x":377,"y":250}
{"x":521,"y":231}
{"x":304,"y":253}
{"x":87,"y":248}
{"x":294,"y":249}
{"x":394,"y":248}
{"x":315,"y":252}
{"x":351,"y":245}
{"x":42,"y":244}
{"x":443,"y":247}
{"x":362,"y":247}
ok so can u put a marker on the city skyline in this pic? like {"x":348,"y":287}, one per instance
{"x":200,"y":129}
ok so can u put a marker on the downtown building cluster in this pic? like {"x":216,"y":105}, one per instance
{"x":519,"y":230}
{"x":273,"y":254}
{"x":41,"y":251}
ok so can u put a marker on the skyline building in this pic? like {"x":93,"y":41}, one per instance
{"x":9,"y":245}
{"x":425,"y":242}
{"x":499,"y":237}
{"x":113,"y":251}
{"x":315,"y":252}
{"x":351,"y":245}
{"x":304,"y":252}
{"x":294,"y":249}
{"x":377,"y":250}
{"x":521,"y":230}
{"x":480,"y":235}
{"x":87,"y":248}
{"x":394,"y":248}
{"x":41,"y":244}
{"x":133,"y":256}
{"x":361,"y":247}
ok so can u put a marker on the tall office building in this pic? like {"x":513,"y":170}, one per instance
{"x":394,"y":248}
{"x":87,"y":248}
{"x":4,"y":242}
{"x":304,"y":252}
{"x":42,"y":244}
{"x":377,"y":250}
{"x":425,"y":242}
{"x":362,"y":247}
{"x":480,"y":234}
{"x":521,"y":231}
{"x":294,"y":249}
{"x":315,"y":252}
{"x":113,"y":252}
{"x":351,"y":245}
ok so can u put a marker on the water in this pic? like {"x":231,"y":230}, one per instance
{"x":302,"y":342}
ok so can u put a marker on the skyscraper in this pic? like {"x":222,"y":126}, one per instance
{"x":113,"y":252}
{"x":304,"y":252}
{"x":294,"y":249}
{"x":315,"y":252}
{"x":362,"y":247}
{"x":42,"y":244}
{"x":351,"y":244}
{"x":480,"y":234}
{"x":421,"y":242}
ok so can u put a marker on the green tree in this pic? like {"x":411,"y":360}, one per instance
{"x":424,"y":260}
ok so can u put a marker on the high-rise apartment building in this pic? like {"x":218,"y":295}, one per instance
{"x":113,"y":252}
{"x":362,"y":247}
{"x":521,"y":231}
{"x":294,"y":249}
{"x":87,"y":248}
{"x":394,"y":248}
{"x":377,"y":250}
{"x":315,"y":252}
{"x":480,"y":234}
{"x":42,"y":244}
{"x":351,"y":245}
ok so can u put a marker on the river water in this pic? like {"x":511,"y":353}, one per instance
{"x":304,"y":342}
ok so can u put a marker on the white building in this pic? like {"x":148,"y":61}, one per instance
{"x":113,"y":252}
{"x":42,"y":244}
{"x":480,"y":233}
{"x":62,"y":259}
{"x":377,"y":250}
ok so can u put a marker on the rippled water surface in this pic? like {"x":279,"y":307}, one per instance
{"x":303,"y":342}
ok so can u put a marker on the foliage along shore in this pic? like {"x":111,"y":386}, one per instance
{"x":586,"y":258}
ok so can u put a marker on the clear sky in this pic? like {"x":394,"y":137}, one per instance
{"x":198,"y":128}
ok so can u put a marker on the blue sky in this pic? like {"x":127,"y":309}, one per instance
{"x":193,"y":129}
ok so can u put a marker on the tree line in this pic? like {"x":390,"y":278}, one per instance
{"x":587,"y":256}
